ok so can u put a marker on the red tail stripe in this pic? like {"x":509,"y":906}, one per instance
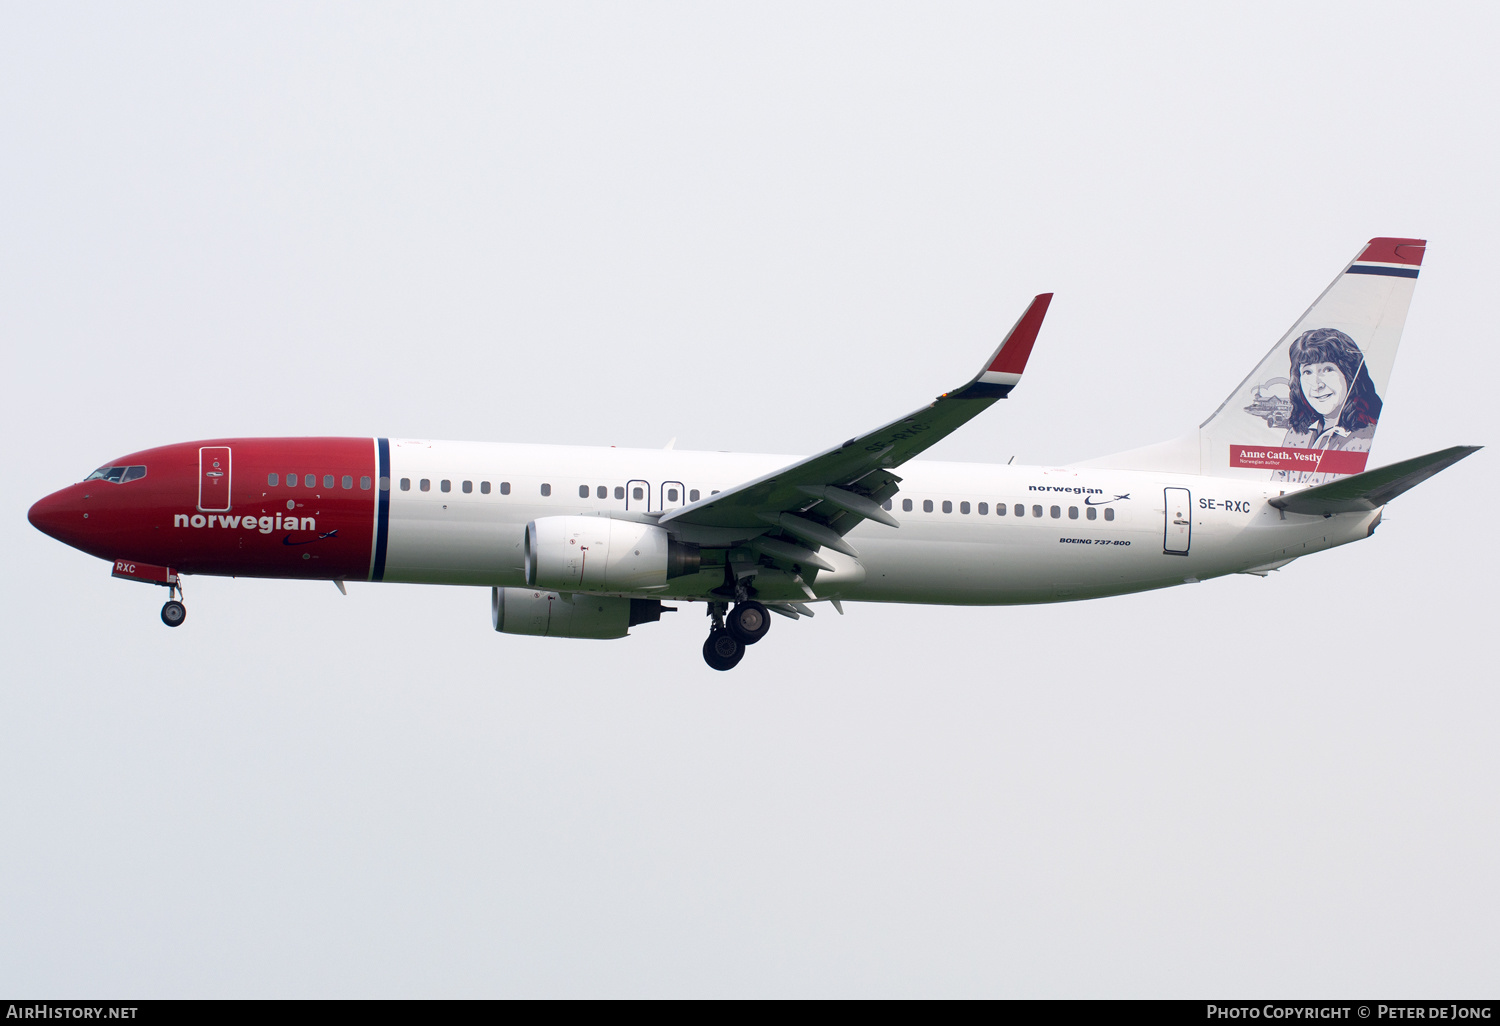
{"x":1395,"y":251}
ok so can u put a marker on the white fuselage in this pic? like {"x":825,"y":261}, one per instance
{"x":1044,"y":548}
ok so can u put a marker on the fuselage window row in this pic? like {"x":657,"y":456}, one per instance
{"x":637,"y":494}
{"x":983,"y":509}
{"x":344,"y":481}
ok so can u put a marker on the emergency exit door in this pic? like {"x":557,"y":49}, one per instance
{"x":1179,"y":529}
{"x":213,"y":478}
{"x":638,"y":496}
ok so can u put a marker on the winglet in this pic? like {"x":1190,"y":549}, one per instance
{"x":1004,"y":367}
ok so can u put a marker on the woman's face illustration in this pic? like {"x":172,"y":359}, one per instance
{"x":1324,"y":387}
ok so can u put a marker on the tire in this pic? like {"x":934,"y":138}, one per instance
{"x":722,"y":650}
{"x":173,"y":613}
{"x":748,"y":621}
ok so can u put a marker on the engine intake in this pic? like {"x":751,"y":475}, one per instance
{"x":603,"y":554}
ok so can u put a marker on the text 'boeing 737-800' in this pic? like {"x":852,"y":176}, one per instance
{"x":589,"y":542}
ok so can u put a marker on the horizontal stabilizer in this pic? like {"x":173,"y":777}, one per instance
{"x":1373,"y":488}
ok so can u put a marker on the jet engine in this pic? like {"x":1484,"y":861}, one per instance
{"x":552,"y":615}
{"x":603,"y":554}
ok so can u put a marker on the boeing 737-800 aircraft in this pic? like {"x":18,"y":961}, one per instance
{"x":589,"y":542}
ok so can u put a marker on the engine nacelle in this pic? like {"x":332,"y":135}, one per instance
{"x":603,"y":554}
{"x":548,"y":614}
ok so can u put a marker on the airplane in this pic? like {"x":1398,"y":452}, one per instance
{"x":579,"y":542}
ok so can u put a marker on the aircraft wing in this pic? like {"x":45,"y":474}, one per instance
{"x":1373,"y":488}
{"x":819,"y":499}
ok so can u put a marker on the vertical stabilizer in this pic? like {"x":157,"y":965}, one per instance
{"x":1308,"y":411}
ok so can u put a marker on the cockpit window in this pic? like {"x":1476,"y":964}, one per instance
{"x":117,"y":475}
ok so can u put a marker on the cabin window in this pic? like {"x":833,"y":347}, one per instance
{"x":364,"y":484}
{"x":637,"y":494}
{"x":906,"y":505}
{"x":602,"y":492}
{"x":425,"y":485}
{"x":1036,"y":511}
{"x":327,"y":480}
{"x":947,"y":506}
{"x":347,"y":481}
{"x":468,"y":486}
{"x":671,"y":494}
{"x":1020,"y":510}
{"x":1056,"y":512}
{"x":406,"y":484}
{"x":693,"y":495}
{"x":291,"y":480}
{"x":926,"y":505}
{"x":1093,"y":513}
{"x":886,"y":505}
{"x":311,"y":480}
{"x":504,"y":487}
{"x":546,"y":489}
{"x":445,"y":485}
{"x":1072,"y":512}
{"x":963,"y":507}
{"x":385,"y":484}
{"x":1109,"y":514}
{"x":984,"y":509}
{"x":273,"y":479}
{"x":583,"y":491}
{"x":484,"y":488}
{"x":619,"y":491}
{"x":714,"y":492}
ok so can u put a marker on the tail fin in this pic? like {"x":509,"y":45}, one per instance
{"x":1308,"y":411}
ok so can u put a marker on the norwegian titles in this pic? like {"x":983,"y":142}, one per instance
{"x":265,"y":525}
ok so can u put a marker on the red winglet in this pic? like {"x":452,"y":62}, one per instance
{"x":1016,"y":349}
{"x":1394,"y":251}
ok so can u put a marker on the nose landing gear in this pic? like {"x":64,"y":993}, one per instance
{"x":174,"y":612}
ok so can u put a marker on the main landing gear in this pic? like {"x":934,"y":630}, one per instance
{"x":744,"y":625}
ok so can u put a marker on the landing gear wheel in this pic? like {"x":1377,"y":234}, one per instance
{"x":748,"y":621}
{"x":722,"y":650}
{"x":173,"y":613}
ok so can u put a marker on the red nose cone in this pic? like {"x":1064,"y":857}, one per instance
{"x":58,"y":515}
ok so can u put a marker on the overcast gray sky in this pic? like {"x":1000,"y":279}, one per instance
{"x":758,"y":227}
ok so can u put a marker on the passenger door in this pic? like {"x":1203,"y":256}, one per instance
{"x":213,"y":478}
{"x":1179,"y":528}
